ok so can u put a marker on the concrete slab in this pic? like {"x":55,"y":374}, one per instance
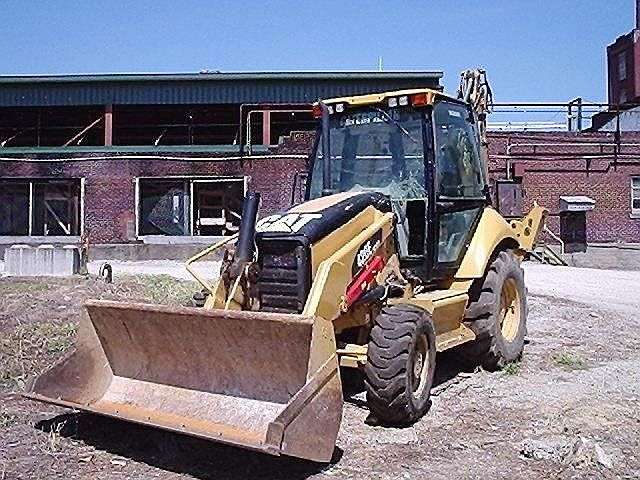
{"x":176,"y":269}
{"x":44,"y":260}
{"x":602,"y":289}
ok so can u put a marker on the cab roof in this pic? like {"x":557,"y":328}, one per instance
{"x":374,"y":98}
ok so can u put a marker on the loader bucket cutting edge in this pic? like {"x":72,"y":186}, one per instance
{"x":235,"y":377}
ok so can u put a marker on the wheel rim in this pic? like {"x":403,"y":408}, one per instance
{"x":510,"y":309}
{"x":420,"y":366}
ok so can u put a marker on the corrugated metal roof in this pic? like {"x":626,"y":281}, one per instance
{"x":229,"y":87}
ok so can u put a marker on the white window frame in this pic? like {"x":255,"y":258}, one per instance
{"x":191,"y":180}
{"x":635,"y":195}
{"x":31,"y":181}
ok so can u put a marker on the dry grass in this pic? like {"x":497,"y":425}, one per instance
{"x":24,"y":286}
{"x":24,"y":349}
{"x":38,"y":322}
{"x":165,"y":289}
{"x":35,"y":336}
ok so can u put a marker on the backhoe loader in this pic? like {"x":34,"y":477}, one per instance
{"x":395,"y":254}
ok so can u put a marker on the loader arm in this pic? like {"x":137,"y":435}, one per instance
{"x":529,"y":228}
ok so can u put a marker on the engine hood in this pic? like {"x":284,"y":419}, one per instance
{"x":316,"y":218}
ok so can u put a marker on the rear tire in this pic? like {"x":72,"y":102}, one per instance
{"x":400,"y":365}
{"x":497,"y":314}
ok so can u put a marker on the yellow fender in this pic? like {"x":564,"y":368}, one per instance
{"x":493,"y":232}
{"x":528,"y":229}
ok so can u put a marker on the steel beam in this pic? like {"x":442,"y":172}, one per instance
{"x":108,"y":125}
{"x":266,"y":128}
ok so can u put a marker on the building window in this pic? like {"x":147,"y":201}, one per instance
{"x":164,"y":208}
{"x":635,"y":196}
{"x":190,"y":206}
{"x":71,"y":126}
{"x":622,"y":66}
{"x":14,"y":208}
{"x":40,"y":207}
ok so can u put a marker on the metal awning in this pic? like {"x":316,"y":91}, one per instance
{"x":576,"y":203}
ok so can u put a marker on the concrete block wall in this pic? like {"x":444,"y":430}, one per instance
{"x":44,"y":260}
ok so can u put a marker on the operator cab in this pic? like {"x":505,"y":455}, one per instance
{"x":419,"y":148}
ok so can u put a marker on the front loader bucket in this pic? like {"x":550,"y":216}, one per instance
{"x":262,"y":381}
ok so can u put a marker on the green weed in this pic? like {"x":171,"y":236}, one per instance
{"x":569,"y":360}
{"x":512,"y":368}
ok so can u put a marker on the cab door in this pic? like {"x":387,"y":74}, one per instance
{"x":460,"y":186}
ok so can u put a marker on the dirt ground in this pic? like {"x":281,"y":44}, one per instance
{"x":570,"y":409}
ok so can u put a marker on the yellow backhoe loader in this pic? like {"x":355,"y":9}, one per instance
{"x":395,"y":254}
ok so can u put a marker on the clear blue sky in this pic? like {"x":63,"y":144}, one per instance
{"x":534,"y":50}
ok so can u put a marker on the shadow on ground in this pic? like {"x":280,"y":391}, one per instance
{"x":178,"y":453}
{"x":204,"y":459}
{"x":449,"y":364}
{"x":448,"y":367}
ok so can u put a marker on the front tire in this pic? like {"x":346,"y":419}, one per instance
{"x":400,"y":365}
{"x":497,"y":314}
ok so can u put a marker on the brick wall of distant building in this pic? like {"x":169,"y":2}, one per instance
{"x":624,"y":88}
{"x":109,"y":202}
{"x":555,"y":166}
{"x":626,"y":50}
{"x":551,"y":165}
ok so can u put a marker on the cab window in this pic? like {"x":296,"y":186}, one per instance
{"x":453,"y":231}
{"x":459,"y":168}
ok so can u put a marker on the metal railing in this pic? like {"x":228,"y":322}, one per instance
{"x":549,"y":232}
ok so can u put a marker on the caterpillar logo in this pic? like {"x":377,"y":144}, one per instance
{"x":366,"y":251}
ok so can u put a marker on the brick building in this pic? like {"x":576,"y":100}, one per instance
{"x":543,"y":167}
{"x":143,"y":159}
{"x":622,"y":57}
{"x":603,"y":164}
{"x":623,"y":83}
